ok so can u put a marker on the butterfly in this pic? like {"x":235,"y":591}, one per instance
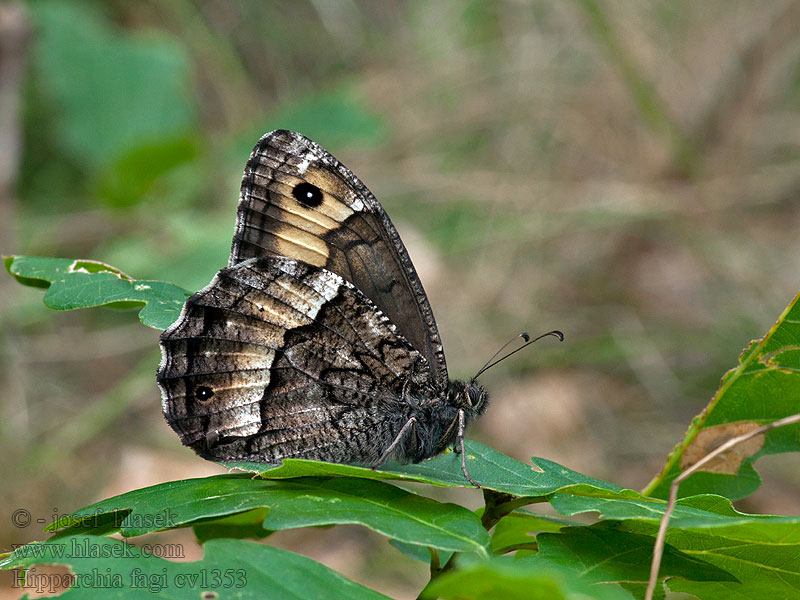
{"x":317,"y":341}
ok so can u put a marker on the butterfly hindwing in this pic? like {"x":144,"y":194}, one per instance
{"x":276,"y":358}
{"x":299,"y":201}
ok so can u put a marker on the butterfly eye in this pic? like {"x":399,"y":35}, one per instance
{"x":203,"y":393}
{"x":307,"y":194}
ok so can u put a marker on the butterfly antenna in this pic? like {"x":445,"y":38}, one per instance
{"x":528,"y":341}
{"x":523,"y":334}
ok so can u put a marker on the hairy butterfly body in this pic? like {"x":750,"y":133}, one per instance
{"x":317,"y":341}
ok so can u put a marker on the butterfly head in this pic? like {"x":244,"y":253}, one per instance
{"x":470,"y":397}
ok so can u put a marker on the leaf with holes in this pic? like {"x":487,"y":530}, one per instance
{"x":75,"y":284}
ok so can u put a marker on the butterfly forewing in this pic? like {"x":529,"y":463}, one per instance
{"x":277,"y":358}
{"x":299,"y":201}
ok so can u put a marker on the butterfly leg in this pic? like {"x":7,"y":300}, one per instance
{"x":406,"y":386}
{"x":446,"y":435}
{"x":412,"y":422}
{"x":461,"y":448}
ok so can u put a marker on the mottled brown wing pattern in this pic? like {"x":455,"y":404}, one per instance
{"x":276,"y":358}
{"x":299,"y":201}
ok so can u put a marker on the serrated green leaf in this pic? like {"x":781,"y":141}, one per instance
{"x":490,"y":468}
{"x":697,"y":512}
{"x":116,"y":567}
{"x":496,"y":471}
{"x":75,"y":284}
{"x":294,"y":503}
{"x":764,"y":387}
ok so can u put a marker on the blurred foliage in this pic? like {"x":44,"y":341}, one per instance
{"x":626,"y":172}
{"x":107,"y":91}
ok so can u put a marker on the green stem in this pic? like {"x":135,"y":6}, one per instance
{"x":498,"y":505}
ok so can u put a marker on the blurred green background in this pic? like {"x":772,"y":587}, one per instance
{"x":625,"y":171}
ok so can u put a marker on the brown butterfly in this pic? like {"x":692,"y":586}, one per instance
{"x":317,"y":341}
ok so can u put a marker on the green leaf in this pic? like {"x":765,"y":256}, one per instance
{"x":518,"y":529}
{"x":761,"y":551}
{"x":87,"y":283}
{"x":577,"y":560}
{"x":506,"y":579}
{"x":604,"y":554}
{"x":384,"y":508}
{"x":296,"y":503}
{"x":764,"y":555}
{"x":703,"y":511}
{"x":764,"y":387}
{"x":125,"y":571}
{"x":491,"y":469}
{"x":248,"y":524}
{"x":109,"y":91}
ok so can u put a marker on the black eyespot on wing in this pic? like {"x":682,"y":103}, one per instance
{"x":203,"y":393}
{"x":307,"y":194}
